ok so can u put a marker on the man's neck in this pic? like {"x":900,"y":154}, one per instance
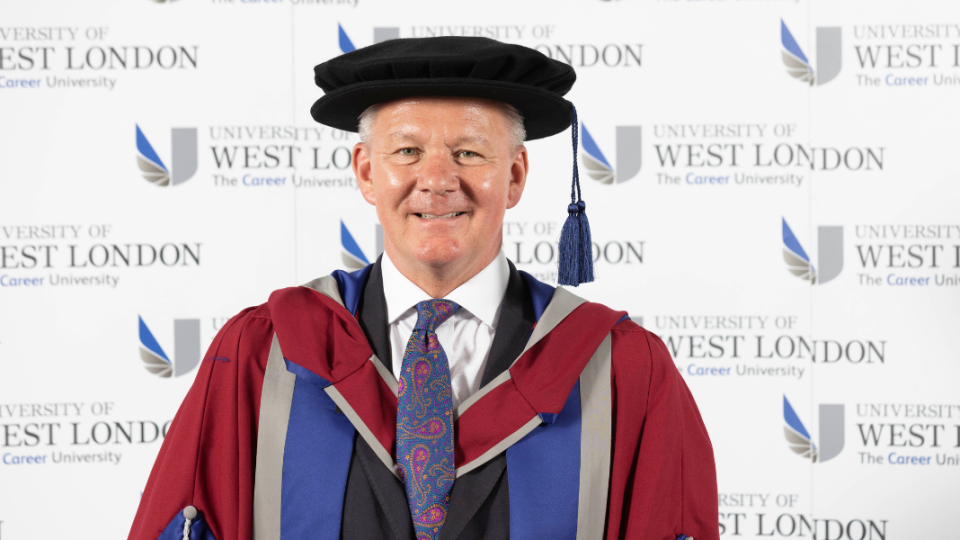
{"x":439,"y":281}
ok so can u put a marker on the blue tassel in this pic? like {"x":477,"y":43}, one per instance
{"x":576,"y":244}
{"x":569,"y":265}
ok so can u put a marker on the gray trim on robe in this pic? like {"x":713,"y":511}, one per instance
{"x":562,"y":304}
{"x":596,"y":434}
{"x":501,"y":446}
{"x":385,"y":374}
{"x":326,"y":285}
{"x":276,"y":399}
{"x":497,"y":381}
{"x":362,"y":429}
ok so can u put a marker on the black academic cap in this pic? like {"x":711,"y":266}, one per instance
{"x":446,"y":66}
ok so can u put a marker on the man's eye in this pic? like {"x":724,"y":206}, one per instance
{"x":408,"y":152}
{"x":468,"y":154}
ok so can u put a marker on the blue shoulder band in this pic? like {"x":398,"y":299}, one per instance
{"x":540,"y":293}
{"x":351,"y":285}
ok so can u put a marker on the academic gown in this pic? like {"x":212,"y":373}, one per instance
{"x":582,"y":429}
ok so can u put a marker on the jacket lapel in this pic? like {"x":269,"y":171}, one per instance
{"x":388,"y":490}
{"x":372,"y":316}
{"x":513,"y":328}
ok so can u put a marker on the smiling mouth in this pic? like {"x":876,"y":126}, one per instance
{"x":433,"y":216}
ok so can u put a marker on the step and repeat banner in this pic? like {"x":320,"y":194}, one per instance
{"x":773,"y":190}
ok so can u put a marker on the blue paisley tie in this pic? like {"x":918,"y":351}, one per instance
{"x":425,"y":421}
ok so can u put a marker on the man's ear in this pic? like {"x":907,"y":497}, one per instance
{"x":361,"y":170}
{"x":518,"y":177}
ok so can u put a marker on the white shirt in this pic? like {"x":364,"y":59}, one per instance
{"x":466,"y":336}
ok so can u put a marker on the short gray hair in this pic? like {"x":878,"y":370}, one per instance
{"x":518,"y":133}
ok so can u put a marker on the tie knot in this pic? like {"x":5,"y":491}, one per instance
{"x":432,"y":313}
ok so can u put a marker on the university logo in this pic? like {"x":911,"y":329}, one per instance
{"x":350,"y":253}
{"x":831,"y":432}
{"x":186,"y":349}
{"x":829,"y":55}
{"x":628,"y":156}
{"x":183,"y":158}
{"x":379,"y":34}
{"x":829,"y":251}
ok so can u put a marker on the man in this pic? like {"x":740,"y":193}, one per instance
{"x":438,"y":393}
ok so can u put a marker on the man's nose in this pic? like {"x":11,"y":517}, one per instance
{"x":439,"y":173}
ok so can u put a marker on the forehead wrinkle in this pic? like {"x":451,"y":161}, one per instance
{"x":473,"y":127}
{"x":405,"y":133}
{"x":476,"y":125}
{"x":402,"y":135}
{"x":477,"y":139}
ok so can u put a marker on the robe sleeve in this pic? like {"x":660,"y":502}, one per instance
{"x":207,"y":458}
{"x":663,"y":482}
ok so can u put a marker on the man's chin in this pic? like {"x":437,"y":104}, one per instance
{"x":439,"y":254}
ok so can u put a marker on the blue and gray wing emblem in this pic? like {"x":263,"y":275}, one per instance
{"x":345,"y":44}
{"x":352,"y":255}
{"x":797,"y":64}
{"x":796,"y":258}
{"x":594,"y":161}
{"x":151,"y":167}
{"x":797,"y":436}
{"x":154,"y":359}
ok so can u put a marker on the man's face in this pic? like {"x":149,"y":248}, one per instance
{"x":442,"y":172}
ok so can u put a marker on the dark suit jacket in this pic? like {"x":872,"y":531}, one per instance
{"x":375,"y":503}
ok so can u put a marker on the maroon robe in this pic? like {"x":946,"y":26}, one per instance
{"x":656,"y":468}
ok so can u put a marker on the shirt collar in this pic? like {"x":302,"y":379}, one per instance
{"x":480,"y":295}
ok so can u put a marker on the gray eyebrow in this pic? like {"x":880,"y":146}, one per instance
{"x":403,"y":135}
{"x":476,"y":139}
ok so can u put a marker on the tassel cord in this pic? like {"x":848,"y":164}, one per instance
{"x":575,"y":195}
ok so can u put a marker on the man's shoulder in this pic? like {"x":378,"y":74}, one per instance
{"x":624,"y":323}
{"x":262,"y":318}
{"x":319,"y":294}
{"x":319,"y":298}
{"x":634,"y":344}
{"x":238,"y":324}
{"x":241,"y":341}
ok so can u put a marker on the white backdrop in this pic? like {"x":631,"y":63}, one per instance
{"x":732,"y":180}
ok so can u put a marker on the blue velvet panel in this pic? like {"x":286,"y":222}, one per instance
{"x":316,"y":460}
{"x":351,"y":286}
{"x":544,"y":474}
{"x":305,"y":374}
{"x":540,"y":293}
